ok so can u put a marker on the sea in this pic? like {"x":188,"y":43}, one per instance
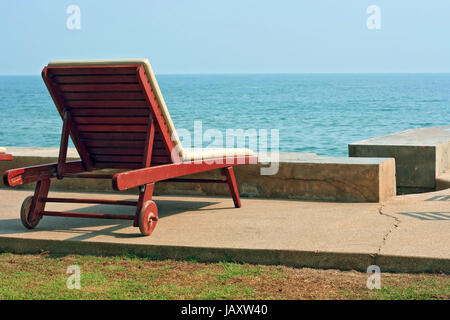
{"x":314,"y":113}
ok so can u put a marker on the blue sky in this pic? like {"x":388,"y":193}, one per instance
{"x":233,"y":36}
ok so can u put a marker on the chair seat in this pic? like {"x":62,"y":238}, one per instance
{"x":190,"y":154}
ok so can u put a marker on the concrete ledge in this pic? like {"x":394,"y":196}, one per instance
{"x":300,"y":176}
{"x":322,"y":260}
{"x":421,"y":155}
{"x":291,"y":258}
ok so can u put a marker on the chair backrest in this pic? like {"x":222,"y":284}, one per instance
{"x":110,"y":105}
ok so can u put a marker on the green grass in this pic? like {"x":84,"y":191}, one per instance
{"x":417,"y":288}
{"x":130,"y":277}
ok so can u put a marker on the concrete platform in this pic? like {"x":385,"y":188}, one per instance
{"x":406,"y":233}
{"x":421,"y":155}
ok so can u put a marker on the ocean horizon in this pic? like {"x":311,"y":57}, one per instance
{"x":314,"y":112}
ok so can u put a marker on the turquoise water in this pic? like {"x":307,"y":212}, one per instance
{"x":318,"y":113}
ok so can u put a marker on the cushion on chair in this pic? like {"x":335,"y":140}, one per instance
{"x":208,"y":153}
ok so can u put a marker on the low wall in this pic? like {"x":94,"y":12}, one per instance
{"x":300,"y":176}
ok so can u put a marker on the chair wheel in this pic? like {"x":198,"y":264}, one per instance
{"x":148,"y":218}
{"x":25,"y":214}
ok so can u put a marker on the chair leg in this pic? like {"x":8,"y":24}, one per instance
{"x":145,"y":194}
{"x":37,"y":205}
{"x":229,"y":174}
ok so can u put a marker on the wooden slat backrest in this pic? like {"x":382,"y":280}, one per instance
{"x":110,"y":108}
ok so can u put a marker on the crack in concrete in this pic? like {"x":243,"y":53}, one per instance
{"x":395,"y":226}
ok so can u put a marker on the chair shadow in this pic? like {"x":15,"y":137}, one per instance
{"x":81,"y":226}
{"x":427,"y":216}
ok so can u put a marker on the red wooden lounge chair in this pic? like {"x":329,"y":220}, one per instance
{"x":4,"y":155}
{"x":116,"y":116}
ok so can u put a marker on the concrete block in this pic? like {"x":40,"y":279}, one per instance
{"x":421,"y":155}
{"x":443,"y":181}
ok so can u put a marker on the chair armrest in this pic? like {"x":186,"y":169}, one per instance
{"x":130,"y":179}
{"x":16,"y":177}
